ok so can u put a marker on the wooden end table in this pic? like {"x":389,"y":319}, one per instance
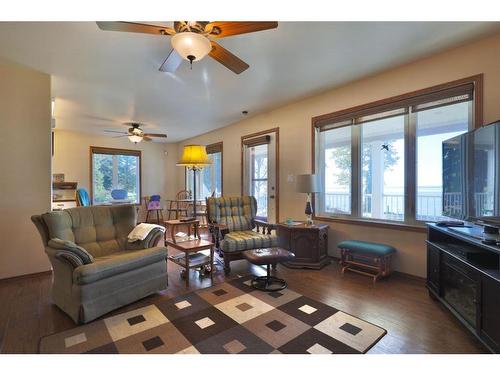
{"x":171,"y":226}
{"x":309,"y":243}
{"x":190,"y":256}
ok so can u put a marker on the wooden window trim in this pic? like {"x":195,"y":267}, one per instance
{"x":257,"y":141}
{"x":214,"y":148}
{"x":113,"y":151}
{"x":408,"y":99}
{"x":384,"y":105}
{"x":372,"y":223}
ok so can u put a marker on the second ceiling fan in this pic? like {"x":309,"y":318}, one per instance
{"x":193,"y":40}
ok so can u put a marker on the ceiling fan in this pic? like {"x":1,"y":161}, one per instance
{"x":193,"y":40}
{"x":135,"y":134}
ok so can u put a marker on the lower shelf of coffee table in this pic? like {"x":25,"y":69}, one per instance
{"x":196,"y":260}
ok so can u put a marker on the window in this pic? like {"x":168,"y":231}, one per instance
{"x":209,"y":179}
{"x":115,"y":172}
{"x":433,"y":126}
{"x":382,"y":169}
{"x":384,"y":161}
{"x":336,"y":158}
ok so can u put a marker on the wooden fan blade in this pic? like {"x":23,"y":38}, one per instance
{"x":172,"y":62}
{"x":119,"y":136}
{"x":147,"y":139}
{"x":155,"y":135}
{"x":220,"y":29}
{"x":227,"y":59}
{"x":115,"y":131}
{"x":134,"y":27}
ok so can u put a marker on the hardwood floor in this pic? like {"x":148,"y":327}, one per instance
{"x":415,"y":323}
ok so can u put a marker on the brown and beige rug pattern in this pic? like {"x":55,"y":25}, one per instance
{"x":230,"y":317}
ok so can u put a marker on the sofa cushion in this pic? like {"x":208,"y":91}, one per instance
{"x":245,"y":240}
{"x":68,"y":246}
{"x":234,"y":212}
{"x":117,"y":263}
{"x":363,"y":247}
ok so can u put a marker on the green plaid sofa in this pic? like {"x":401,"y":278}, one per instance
{"x":234,"y":228}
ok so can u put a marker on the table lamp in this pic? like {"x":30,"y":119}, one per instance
{"x":308,"y":183}
{"x":194,"y":157}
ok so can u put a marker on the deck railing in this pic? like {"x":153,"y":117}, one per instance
{"x":429,"y":205}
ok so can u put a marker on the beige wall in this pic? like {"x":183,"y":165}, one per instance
{"x":25,"y":167}
{"x":71,"y":157}
{"x":294,"y":121}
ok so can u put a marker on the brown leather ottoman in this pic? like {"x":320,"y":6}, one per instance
{"x":267,"y":257}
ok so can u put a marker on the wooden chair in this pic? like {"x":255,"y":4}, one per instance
{"x":201,"y":212}
{"x":177,"y":207}
{"x":231,"y":222}
{"x":153,"y":204}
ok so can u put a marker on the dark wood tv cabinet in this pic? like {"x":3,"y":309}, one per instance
{"x":464,"y":275}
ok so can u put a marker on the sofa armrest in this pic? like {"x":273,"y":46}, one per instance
{"x":66,"y":258}
{"x":71,"y":247}
{"x":151,"y":240}
{"x":265,"y":226}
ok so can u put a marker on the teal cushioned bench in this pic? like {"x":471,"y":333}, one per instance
{"x":367,"y":258}
{"x":363,"y":247}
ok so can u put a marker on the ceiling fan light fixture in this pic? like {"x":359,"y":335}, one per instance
{"x":189,"y":45}
{"x":134,"y":138}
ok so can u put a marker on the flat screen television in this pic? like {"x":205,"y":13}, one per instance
{"x":471,"y":175}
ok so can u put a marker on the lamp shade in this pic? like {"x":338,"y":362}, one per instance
{"x":191,"y":44}
{"x":308,"y":183}
{"x":194,"y":156}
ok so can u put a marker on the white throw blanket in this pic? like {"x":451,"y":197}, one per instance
{"x":142,"y":230}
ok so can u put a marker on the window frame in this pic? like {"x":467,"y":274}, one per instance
{"x":409,"y":99}
{"x":212,"y":148}
{"x":114,"y":151}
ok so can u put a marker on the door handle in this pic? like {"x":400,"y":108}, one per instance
{"x":271,"y":196}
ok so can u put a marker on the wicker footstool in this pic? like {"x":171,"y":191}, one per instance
{"x":267,"y":257}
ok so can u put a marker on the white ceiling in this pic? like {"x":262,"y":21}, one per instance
{"x":100,"y":79}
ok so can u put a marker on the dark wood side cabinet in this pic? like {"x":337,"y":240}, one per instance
{"x":309,"y":243}
{"x":464,"y":275}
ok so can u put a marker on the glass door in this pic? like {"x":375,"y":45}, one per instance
{"x":259,"y":174}
{"x":258,"y":164}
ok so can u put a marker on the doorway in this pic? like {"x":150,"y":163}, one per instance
{"x":260,"y":172}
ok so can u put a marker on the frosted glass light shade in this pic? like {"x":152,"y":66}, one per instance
{"x":135,"y":138}
{"x":191,"y":44}
{"x":194,"y":156}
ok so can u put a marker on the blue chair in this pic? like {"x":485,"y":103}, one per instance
{"x":82,"y":198}
{"x":119,"y":194}
{"x":153,"y":204}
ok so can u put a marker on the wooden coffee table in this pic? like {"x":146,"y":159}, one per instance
{"x":190,"y":256}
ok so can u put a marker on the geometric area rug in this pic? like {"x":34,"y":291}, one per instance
{"x":231,"y":317}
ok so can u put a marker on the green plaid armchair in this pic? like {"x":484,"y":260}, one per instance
{"x":234,"y":228}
